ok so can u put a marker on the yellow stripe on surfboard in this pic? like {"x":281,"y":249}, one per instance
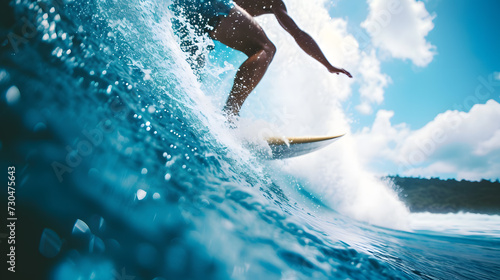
{"x":299,"y":140}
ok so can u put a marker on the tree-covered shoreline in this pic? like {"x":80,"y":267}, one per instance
{"x":448,"y":196}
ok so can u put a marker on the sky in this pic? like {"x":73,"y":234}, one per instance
{"x":428,"y":103}
{"x":425,"y":97}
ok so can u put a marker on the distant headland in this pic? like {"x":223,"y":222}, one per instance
{"x":448,"y":196}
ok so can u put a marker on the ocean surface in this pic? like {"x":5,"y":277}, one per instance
{"x":125,"y":168}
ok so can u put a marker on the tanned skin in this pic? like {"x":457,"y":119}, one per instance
{"x":240,"y":31}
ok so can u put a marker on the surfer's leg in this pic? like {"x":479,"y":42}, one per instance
{"x":241,"y":32}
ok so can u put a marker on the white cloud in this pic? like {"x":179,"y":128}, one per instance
{"x":463,"y":145}
{"x":432,"y":170}
{"x":399,"y":27}
{"x":379,"y":141}
{"x":373,"y":82}
{"x":489,"y":145}
{"x":364,"y":108}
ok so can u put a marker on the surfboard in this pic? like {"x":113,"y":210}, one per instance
{"x":287,"y":147}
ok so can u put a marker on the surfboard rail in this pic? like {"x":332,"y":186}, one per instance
{"x":287,"y":147}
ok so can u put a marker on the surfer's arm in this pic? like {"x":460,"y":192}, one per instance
{"x":304,"y":40}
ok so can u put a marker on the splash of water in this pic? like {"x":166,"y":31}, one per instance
{"x":299,"y":97}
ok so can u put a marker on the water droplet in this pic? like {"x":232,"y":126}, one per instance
{"x":108,"y":123}
{"x":141,"y":194}
{"x":102,"y":224}
{"x":80,"y":227}
{"x":50,"y":243}
{"x":39,"y":127}
{"x":12,"y":95}
{"x":97,"y":245}
{"x":4,"y":76}
{"x":81,"y":236}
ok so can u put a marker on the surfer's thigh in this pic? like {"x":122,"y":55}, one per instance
{"x":240,"y":31}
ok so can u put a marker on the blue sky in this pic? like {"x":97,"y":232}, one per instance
{"x":466,"y":35}
{"x":439,"y":112}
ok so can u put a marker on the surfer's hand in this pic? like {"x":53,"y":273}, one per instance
{"x":340,"y":70}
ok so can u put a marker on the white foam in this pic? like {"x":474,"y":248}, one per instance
{"x":302,"y":98}
{"x":457,"y":223}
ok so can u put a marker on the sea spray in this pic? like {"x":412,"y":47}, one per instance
{"x":300,"y":97}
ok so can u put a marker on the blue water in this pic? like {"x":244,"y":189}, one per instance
{"x":126,"y":170}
